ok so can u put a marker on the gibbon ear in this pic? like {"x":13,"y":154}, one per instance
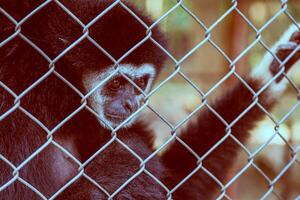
{"x":290,"y":51}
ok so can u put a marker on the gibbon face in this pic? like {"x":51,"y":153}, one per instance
{"x":116,"y":99}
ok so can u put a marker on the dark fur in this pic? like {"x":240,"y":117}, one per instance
{"x":52,"y":100}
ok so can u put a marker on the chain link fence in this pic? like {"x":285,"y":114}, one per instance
{"x":293,"y":150}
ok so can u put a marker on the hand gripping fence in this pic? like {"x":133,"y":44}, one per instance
{"x":180,"y":4}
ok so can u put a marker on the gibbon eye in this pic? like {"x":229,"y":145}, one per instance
{"x":141,"y":83}
{"x":115,"y":84}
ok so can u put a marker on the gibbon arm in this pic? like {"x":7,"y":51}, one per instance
{"x":240,"y":109}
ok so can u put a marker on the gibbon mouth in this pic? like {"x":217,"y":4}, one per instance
{"x":114,"y":117}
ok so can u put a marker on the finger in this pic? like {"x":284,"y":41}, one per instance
{"x":290,"y":51}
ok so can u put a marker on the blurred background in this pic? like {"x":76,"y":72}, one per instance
{"x":206,"y":66}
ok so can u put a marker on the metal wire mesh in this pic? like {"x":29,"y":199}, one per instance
{"x":294,"y":151}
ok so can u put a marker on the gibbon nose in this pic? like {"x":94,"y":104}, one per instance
{"x":129,"y":106}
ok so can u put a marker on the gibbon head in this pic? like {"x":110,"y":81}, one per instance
{"x":119,"y":45}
